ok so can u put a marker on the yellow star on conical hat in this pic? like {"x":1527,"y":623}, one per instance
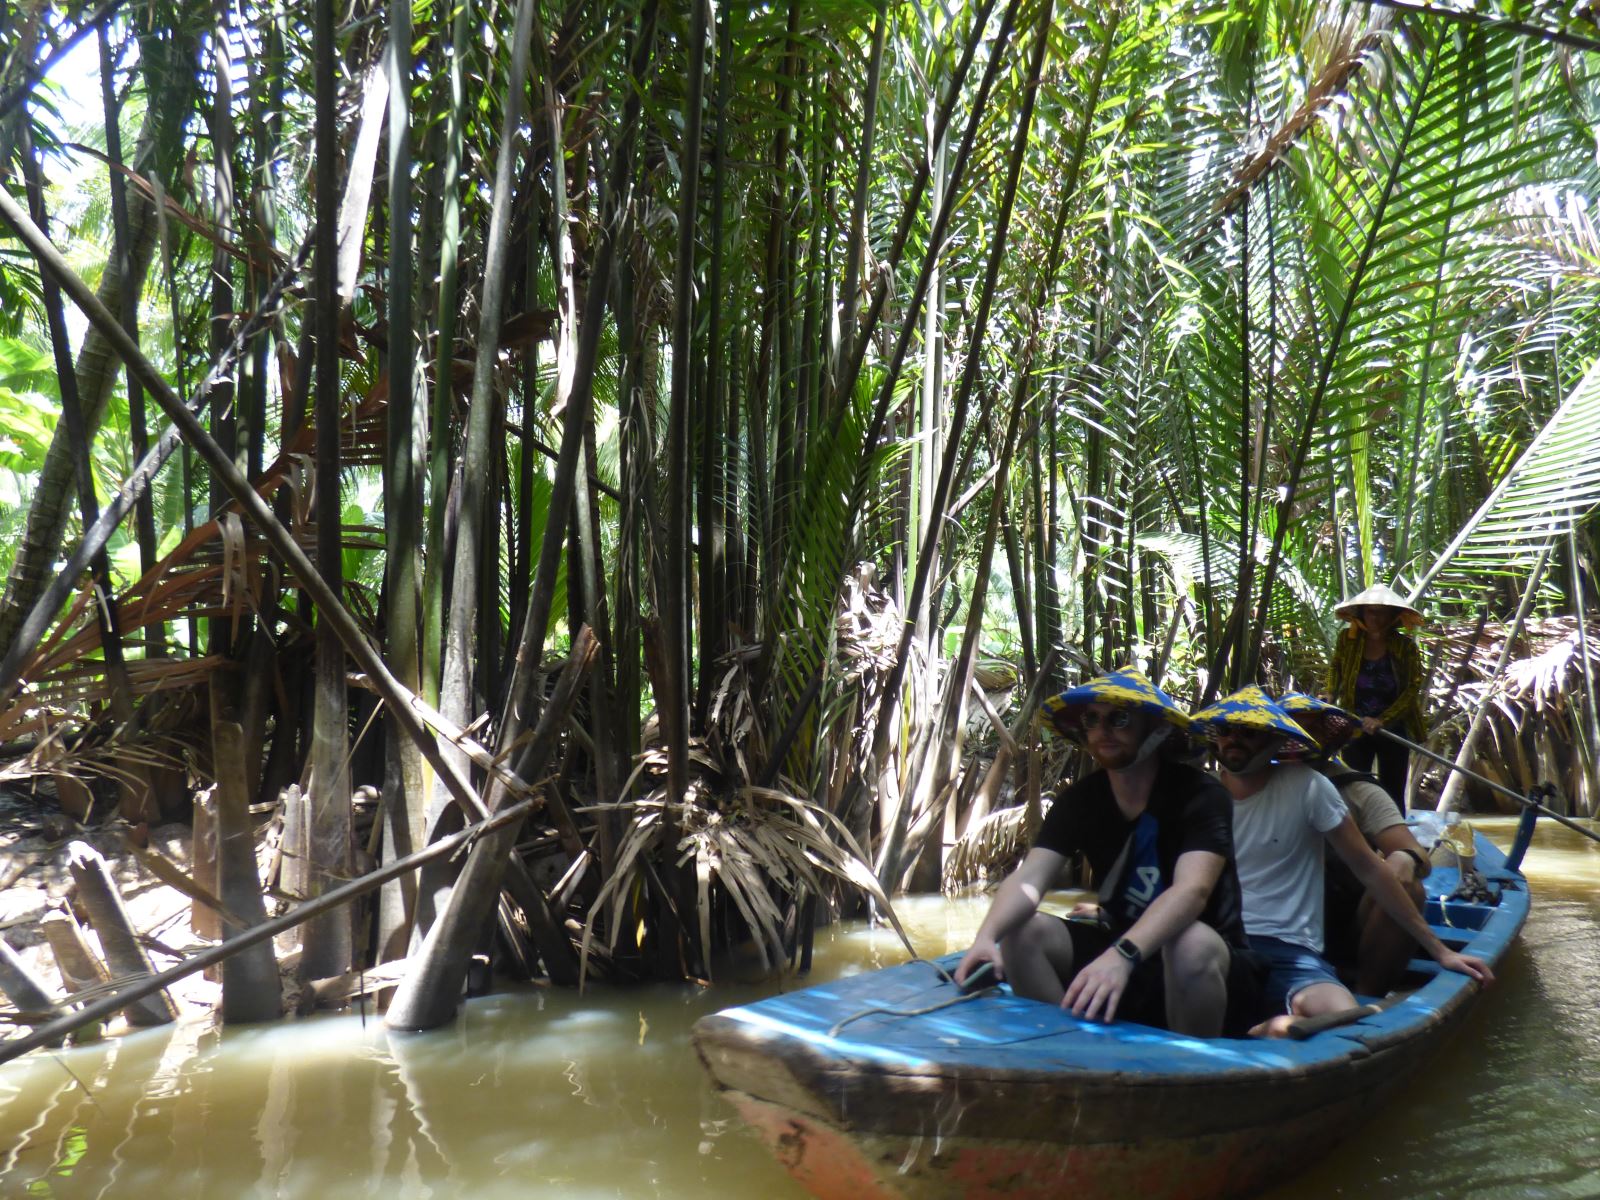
{"x":1252,"y":708}
{"x":1127,"y":688}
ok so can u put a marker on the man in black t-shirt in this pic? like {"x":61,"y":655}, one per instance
{"x":1166,"y":944}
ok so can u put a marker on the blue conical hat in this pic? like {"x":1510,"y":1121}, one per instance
{"x":1252,"y":708}
{"x":1127,"y":688}
{"x":1340,"y":723}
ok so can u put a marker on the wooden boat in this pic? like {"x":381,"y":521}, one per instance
{"x":999,"y":1096}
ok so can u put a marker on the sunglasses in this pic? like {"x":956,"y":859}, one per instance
{"x":1117,"y":718}
{"x":1234,"y":733}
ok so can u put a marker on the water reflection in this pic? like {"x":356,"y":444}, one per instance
{"x":547,"y":1093}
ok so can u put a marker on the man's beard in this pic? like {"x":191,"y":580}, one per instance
{"x":1115,"y":760}
{"x":1124,"y":757}
{"x":1235,"y":758}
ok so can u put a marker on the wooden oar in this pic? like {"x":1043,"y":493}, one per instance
{"x":1303,"y":1027}
{"x":1525,"y":801}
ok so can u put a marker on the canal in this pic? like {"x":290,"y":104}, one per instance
{"x":546,"y":1093}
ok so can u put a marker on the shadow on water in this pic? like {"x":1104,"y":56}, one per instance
{"x":546,"y":1093}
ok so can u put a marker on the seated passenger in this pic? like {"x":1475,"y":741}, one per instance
{"x":1363,"y":941}
{"x":1156,"y":834}
{"x":1282,"y":814}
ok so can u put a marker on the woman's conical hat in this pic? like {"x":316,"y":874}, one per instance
{"x":1252,"y":708}
{"x":1127,"y":688}
{"x":1379,"y":596}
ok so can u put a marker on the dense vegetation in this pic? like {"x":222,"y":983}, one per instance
{"x":838,"y":365}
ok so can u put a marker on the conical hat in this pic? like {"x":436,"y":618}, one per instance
{"x":1127,"y":688}
{"x":1379,"y":596}
{"x":1342,"y":724}
{"x":1252,"y":708}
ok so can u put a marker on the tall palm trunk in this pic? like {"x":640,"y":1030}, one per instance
{"x":405,"y":808}
{"x":138,"y":804}
{"x":96,"y":372}
{"x":476,"y":496}
{"x":328,"y":940}
{"x":890,"y":860}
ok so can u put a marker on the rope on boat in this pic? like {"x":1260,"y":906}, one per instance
{"x":944,"y":977}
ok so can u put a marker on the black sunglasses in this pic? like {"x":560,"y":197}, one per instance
{"x":1238,"y":733}
{"x":1117,"y":718}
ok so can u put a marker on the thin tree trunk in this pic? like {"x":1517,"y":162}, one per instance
{"x":1450,"y":797}
{"x":128,"y":310}
{"x":440,"y":424}
{"x":250,"y":986}
{"x":328,"y":940}
{"x":431,"y":991}
{"x":888,"y":873}
{"x":95,"y":370}
{"x":138,"y":801}
{"x":673,"y":705}
{"x":456,"y":691}
{"x":224,"y":419}
{"x":405,"y":800}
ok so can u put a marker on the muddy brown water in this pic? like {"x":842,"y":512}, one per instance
{"x":544,"y":1093}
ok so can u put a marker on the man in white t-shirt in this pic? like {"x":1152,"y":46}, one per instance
{"x":1283,"y":815}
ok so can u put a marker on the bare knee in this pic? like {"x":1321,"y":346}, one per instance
{"x":1321,"y":998}
{"x":1040,"y":935}
{"x":1197,"y":952}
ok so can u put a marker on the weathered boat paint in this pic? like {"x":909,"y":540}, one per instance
{"x":1001,"y":1097}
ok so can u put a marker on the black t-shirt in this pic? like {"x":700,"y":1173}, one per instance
{"x":1188,"y":810}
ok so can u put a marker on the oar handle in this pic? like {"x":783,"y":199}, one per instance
{"x":1303,"y":1027}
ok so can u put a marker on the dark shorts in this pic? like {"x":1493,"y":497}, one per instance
{"x":1291,"y":968}
{"x":1341,"y":930}
{"x":1145,"y":1000}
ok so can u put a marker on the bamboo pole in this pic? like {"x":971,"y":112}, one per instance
{"x":106,"y":1005}
{"x":1527,"y":802}
{"x":1588,"y":724}
{"x":1448,"y":799}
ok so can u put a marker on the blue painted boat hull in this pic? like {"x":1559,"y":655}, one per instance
{"x":1000,"y":1096}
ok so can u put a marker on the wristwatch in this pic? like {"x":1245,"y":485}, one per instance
{"x":1423,"y":865}
{"x":1129,"y":951}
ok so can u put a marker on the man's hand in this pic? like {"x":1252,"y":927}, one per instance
{"x":982,"y":952}
{"x":1372,"y":725}
{"x":1467,"y":964}
{"x":1097,"y":989}
{"x":1087,"y":911}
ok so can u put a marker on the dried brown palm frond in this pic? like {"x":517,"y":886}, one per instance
{"x":219,"y":571}
{"x":992,"y":848}
{"x":1537,"y":727}
{"x":756,"y":851}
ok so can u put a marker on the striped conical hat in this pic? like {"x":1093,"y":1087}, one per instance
{"x":1252,"y":708}
{"x":1127,"y":688}
{"x":1380,"y":596}
{"x":1340,"y":723}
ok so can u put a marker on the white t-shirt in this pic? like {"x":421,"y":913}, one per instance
{"x":1277,"y":840}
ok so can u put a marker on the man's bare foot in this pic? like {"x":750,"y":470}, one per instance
{"x":1273,"y":1027}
